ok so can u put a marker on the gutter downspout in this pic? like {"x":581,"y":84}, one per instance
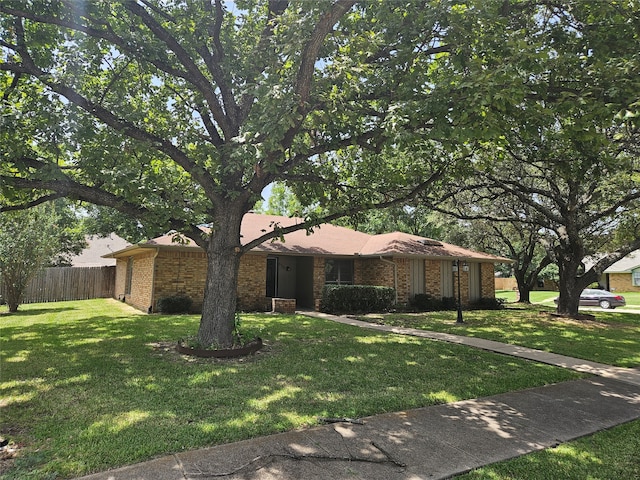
{"x":153,"y":281}
{"x":395,"y":276}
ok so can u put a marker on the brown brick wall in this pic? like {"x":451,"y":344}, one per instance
{"x":141,"y":281}
{"x":464,"y":286}
{"x":487,"y":280}
{"x":622,"y":282}
{"x":121,"y":278}
{"x":374,"y":271}
{"x":185,"y":272}
{"x":252,"y":283}
{"x":377,"y":272}
{"x":432,"y":278}
{"x":181,"y":272}
{"x":404,"y":279}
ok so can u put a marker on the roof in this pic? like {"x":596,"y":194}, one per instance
{"x":97,"y":247}
{"x":626,"y":265}
{"x":327,"y":239}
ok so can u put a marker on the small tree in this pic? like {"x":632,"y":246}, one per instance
{"x":29,"y":241}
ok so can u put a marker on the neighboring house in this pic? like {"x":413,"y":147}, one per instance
{"x":624,"y":275}
{"x":97,"y":247}
{"x":302,"y":265}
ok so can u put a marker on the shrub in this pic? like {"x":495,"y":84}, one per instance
{"x":178,"y":303}
{"x":449,"y":303}
{"x":424,"y":302}
{"x":356,"y":299}
{"x":487,"y":303}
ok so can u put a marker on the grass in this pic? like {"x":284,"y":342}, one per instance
{"x":613,"y":338}
{"x":546,"y":298}
{"x":537,"y":296}
{"x":611,"y":454}
{"x":92,"y":385}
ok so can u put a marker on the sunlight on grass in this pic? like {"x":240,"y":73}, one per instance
{"x":264,"y":402}
{"x":22,"y":356}
{"x":609,"y":454}
{"x":118,"y":423}
{"x":22,"y":391}
{"x":441,"y":397}
{"x":613,"y":338}
{"x":353,"y":359}
{"x":98,"y":389}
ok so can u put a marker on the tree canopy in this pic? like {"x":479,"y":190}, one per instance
{"x":179,"y":114}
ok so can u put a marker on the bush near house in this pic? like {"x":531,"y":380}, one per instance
{"x":178,"y":303}
{"x":356,"y":299}
{"x":487,"y":303}
{"x":423,"y":302}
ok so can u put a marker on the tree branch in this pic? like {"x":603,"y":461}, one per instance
{"x":196,"y":77}
{"x":66,"y":187}
{"x":33,"y":203}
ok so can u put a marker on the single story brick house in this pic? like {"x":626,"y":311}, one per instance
{"x":303,"y":264}
{"x":624,"y":275}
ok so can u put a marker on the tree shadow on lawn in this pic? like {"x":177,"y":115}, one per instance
{"x":22,"y":312}
{"x":98,"y":391}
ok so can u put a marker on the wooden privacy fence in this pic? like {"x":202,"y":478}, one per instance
{"x":57,"y":284}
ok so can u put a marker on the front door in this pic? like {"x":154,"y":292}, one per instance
{"x":272,"y":277}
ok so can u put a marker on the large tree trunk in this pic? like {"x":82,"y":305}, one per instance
{"x":524,"y":288}
{"x":569,"y":298}
{"x":223,"y":261}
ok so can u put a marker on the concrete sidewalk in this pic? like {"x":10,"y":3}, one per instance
{"x":425,"y":443}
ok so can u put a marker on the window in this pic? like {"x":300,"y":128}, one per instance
{"x":635,"y":278}
{"x":338,"y":272}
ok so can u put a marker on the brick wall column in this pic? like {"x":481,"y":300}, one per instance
{"x":318,"y":280}
{"x":433,"y":278}
{"x":487,"y":280}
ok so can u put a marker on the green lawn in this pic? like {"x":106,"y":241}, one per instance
{"x":543,"y":297}
{"x":91,"y":385}
{"x":546,"y":298}
{"x":613,"y":338}
{"x":611,"y":454}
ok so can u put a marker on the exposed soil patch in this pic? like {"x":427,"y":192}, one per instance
{"x":169,"y":351}
{"x":250,"y":348}
{"x":9,"y":450}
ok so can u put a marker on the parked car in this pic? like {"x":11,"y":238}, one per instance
{"x":592,"y":297}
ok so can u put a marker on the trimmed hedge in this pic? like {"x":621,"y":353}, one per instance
{"x":178,"y":303}
{"x":487,"y":303}
{"x":356,"y":299}
{"x":423,"y":302}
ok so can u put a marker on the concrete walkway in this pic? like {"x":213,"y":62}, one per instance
{"x":425,"y":443}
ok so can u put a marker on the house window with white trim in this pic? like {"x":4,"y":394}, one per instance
{"x":338,"y":272}
{"x":635,"y":278}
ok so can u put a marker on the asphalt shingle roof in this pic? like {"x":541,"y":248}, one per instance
{"x":327,"y":239}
